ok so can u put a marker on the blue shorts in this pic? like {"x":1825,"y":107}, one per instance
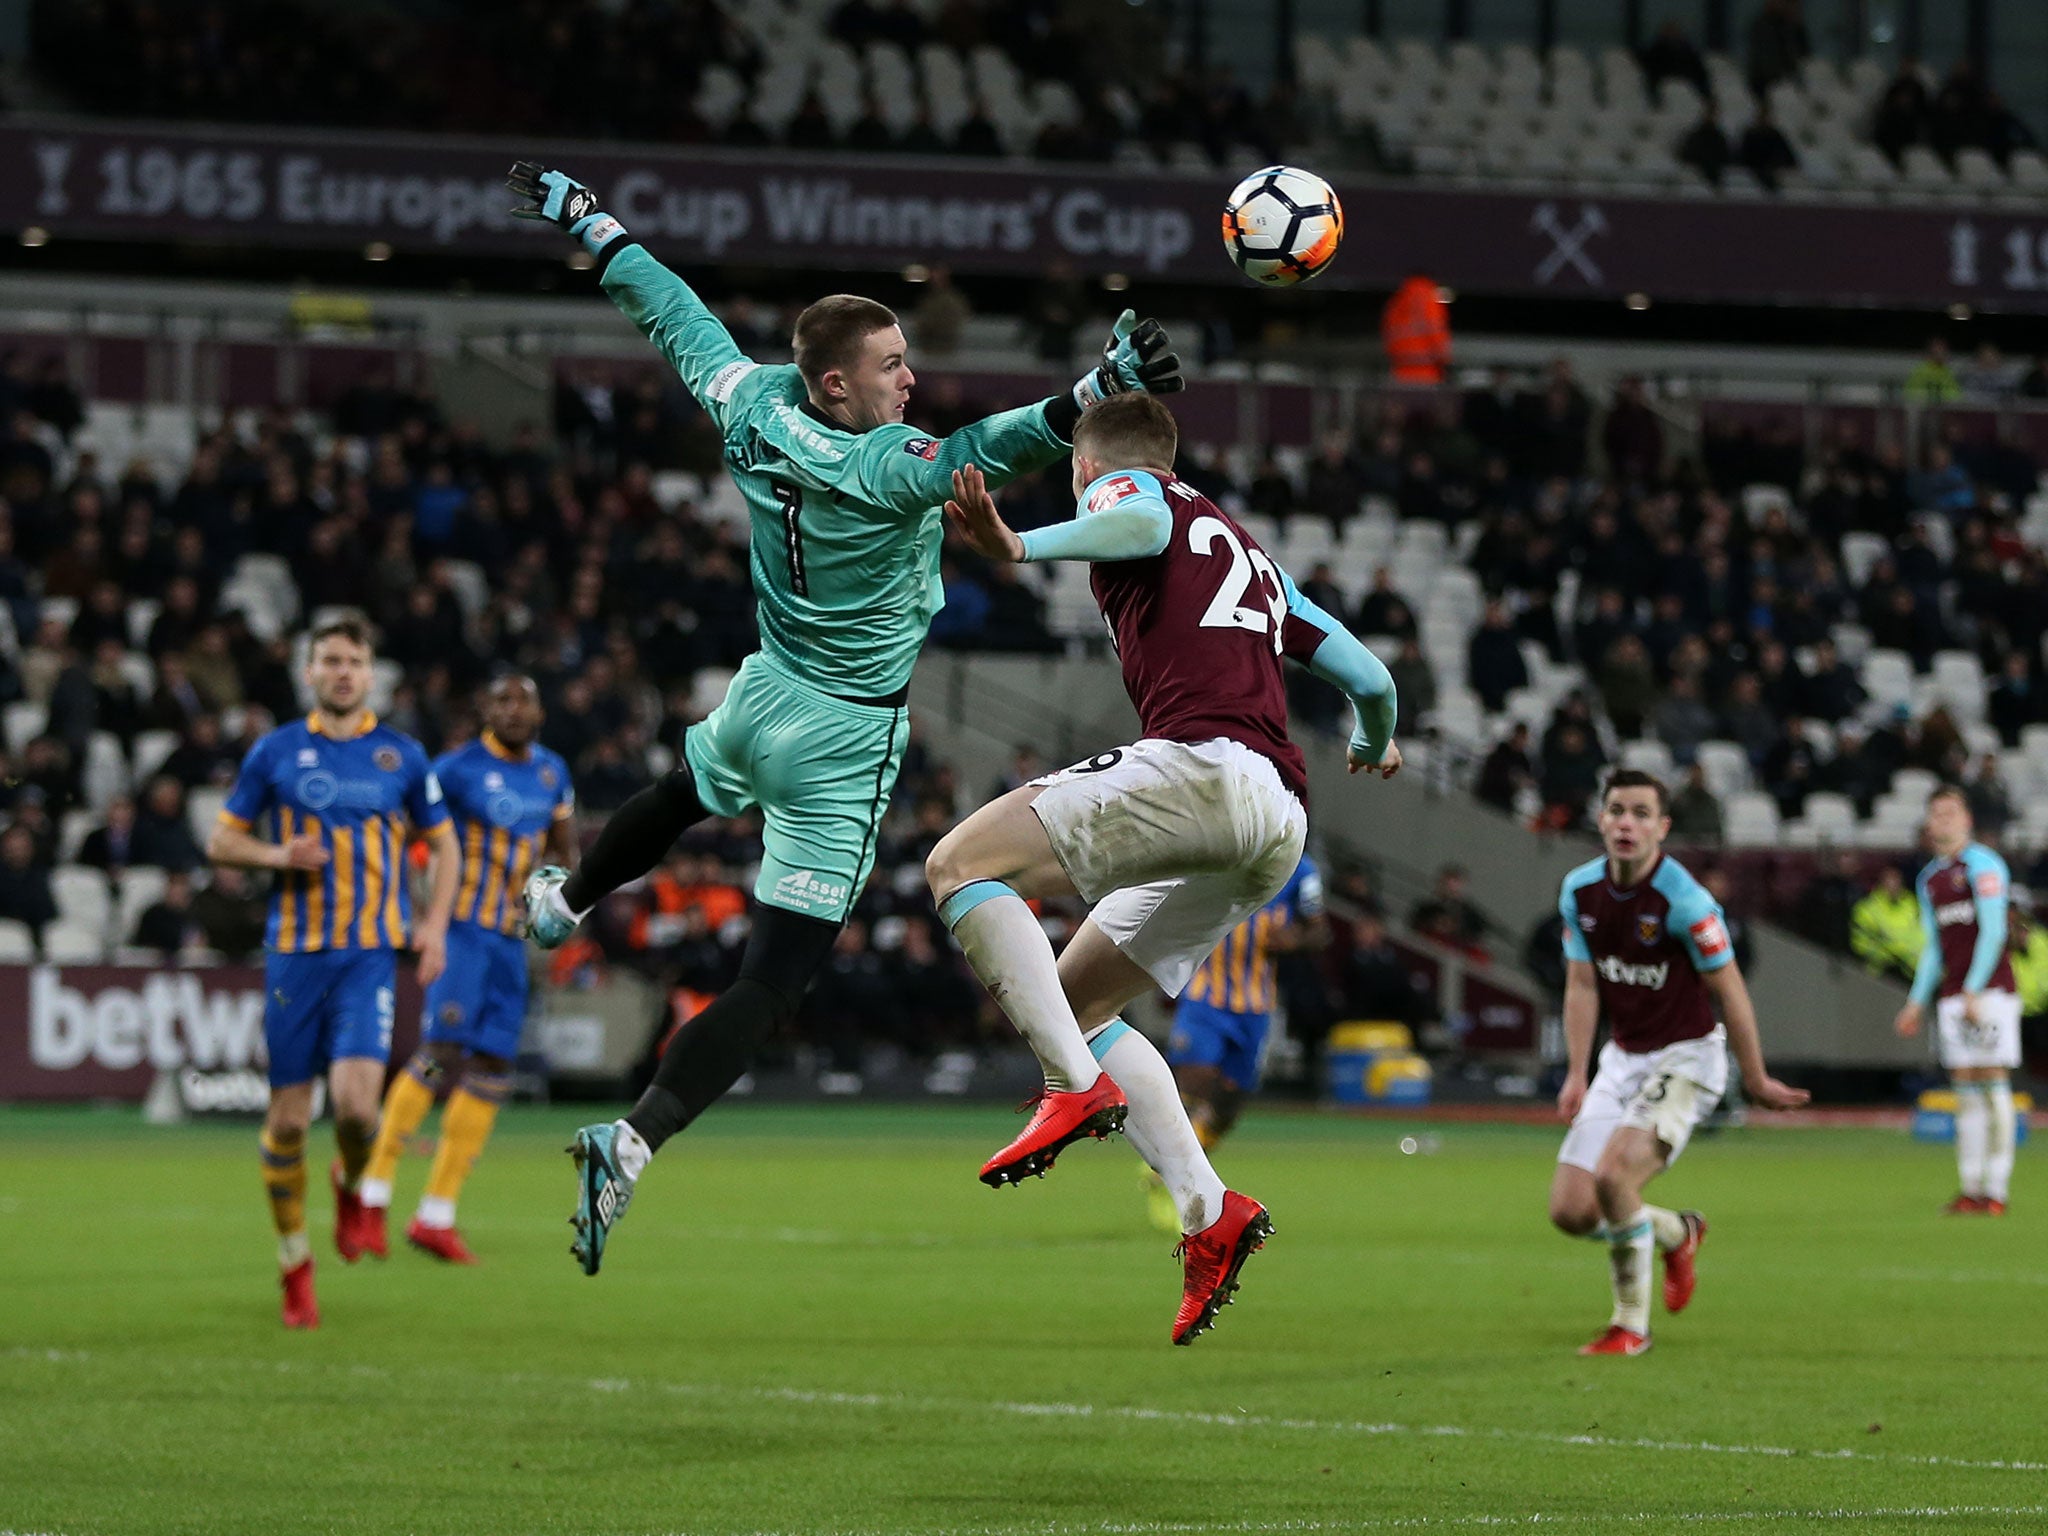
{"x":325,"y":1005}
{"x":479,"y":1002}
{"x":1207,"y":1036}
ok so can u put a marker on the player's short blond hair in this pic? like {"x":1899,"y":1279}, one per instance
{"x":1128,"y":431}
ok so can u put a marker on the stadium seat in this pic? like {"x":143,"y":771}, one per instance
{"x":67,"y":943}
{"x":1750,"y":821}
{"x":23,"y":722}
{"x":142,"y":887}
{"x":142,"y":615}
{"x":1888,"y":676}
{"x":1649,"y":755}
{"x":82,"y":895}
{"x":106,"y":769}
{"x":71,"y":834}
{"x":1912,"y":786}
{"x":1726,"y":767}
{"x":17,"y":943}
{"x":1959,"y":680}
{"x":202,"y":810}
{"x":1832,"y":818}
{"x":151,"y":748}
{"x":1860,"y":552}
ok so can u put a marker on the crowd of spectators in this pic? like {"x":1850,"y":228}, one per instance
{"x":1961,"y":112}
{"x":629,"y":71}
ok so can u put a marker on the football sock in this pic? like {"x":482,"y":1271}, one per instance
{"x":405,"y":1106}
{"x":465,"y":1127}
{"x":2004,"y":1131}
{"x":707,"y":1055}
{"x":1014,"y":959}
{"x":635,"y":839}
{"x":1973,"y":1135}
{"x":631,"y":1149}
{"x":1629,"y":1242}
{"x":1599,"y":1232}
{"x":1668,"y":1227}
{"x":352,"y":1139}
{"x":1157,"y":1124}
{"x":284,"y":1179}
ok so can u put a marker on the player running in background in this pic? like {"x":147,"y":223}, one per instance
{"x":337,"y":791}
{"x":1645,"y":944}
{"x":847,"y":526}
{"x":1966,"y":965}
{"x":1218,"y":1043}
{"x":511,"y":802}
{"x":1174,"y":839}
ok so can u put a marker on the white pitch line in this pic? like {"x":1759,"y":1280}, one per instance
{"x":1535,"y":1520}
{"x":825,"y":1398}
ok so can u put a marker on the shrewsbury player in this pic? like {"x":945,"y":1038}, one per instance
{"x":510,"y":800}
{"x":1645,"y":944}
{"x":846,"y":533}
{"x":338,"y":790}
{"x":1173,"y":840}
{"x":1218,"y":1042}
{"x":1965,"y":962}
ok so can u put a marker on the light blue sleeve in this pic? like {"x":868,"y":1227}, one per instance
{"x":1121,"y":516}
{"x":1991,"y":889}
{"x":1308,"y":891}
{"x":1702,"y":928}
{"x":424,"y":802}
{"x":1341,"y":658}
{"x":1574,"y":939}
{"x":1927,"y":975}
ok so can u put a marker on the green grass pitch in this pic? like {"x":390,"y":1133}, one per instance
{"x":817,"y":1321}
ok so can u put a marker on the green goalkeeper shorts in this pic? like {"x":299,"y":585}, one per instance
{"x":819,"y":767}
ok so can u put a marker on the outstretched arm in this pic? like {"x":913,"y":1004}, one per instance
{"x":695,"y":342}
{"x":1121,"y":517}
{"x":1337,"y":656}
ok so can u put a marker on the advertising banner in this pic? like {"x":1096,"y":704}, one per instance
{"x":298,"y":190}
{"x":106,"y":1032}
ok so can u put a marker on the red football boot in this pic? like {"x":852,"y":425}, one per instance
{"x":1212,"y":1257}
{"x":1617,"y":1341}
{"x":372,"y":1232}
{"x":1994,"y":1207}
{"x":300,"y":1309}
{"x":348,"y":1217}
{"x":1966,"y":1205}
{"x":441,"y":1242}
{"x":1059,"y":1120}
{"x":1679,"y":1279}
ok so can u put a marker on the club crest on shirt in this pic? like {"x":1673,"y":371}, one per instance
{"x":451,"y":1013}
{"x":1112,"y":491}
{"x":386,"y":758}
{"x":1649,"y":929}
{"x":926,"y":448}
{"x":549,"y":777}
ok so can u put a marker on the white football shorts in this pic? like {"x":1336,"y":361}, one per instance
{"x":1173,"y":844}
{"x":1668,"y":1091}
{"x":1993,"y":1041}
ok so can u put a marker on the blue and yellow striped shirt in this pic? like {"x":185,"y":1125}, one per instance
{"x":503,"y":806}
{"x":1238,"y":975}
{"x":358,"y":796}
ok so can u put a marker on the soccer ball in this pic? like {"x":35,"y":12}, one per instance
{"x":1282,"y":225}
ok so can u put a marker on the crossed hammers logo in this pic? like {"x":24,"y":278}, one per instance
{"x":1568,"y":245}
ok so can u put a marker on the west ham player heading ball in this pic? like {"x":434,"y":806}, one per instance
{"x":1173,"y":839}
{"x":1645,"y":945}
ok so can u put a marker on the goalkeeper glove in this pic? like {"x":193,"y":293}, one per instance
{"x":554,"y":197}
{"x":1136,"y":356}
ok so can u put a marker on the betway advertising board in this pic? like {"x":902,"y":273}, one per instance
{"x":107,"y":1032}
{"x":308,"y":190}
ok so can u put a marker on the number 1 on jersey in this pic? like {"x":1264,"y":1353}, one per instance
{"x":1226,"y":610}
{"x":792,"y":501}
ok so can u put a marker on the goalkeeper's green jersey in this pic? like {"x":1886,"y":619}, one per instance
{"x":846,"y":525}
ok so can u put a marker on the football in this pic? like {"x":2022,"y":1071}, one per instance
{"x":1282,"y":225}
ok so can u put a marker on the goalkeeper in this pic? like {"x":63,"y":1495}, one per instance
{"x":846,"y":501}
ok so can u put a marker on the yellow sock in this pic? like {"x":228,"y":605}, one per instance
{"x":472,"y":1111}
{"x":284,"y":1178}
{"x":405,"y":1106}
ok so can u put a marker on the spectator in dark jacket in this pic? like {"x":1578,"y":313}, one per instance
{"x":1695,"y":813}
{"x":230,"y":915}
{"x":1508,"y":770}
{"x":1778,"y":44}
{"x":163,"y":836}
{"x":2015,"y":703}
{"x":169,"y":925}
{"x":1705,"y":148}
{"x":1494,"y":664}
{"x":1765,"y":150}
{"x":111,"y":845}
{"x":25,"y":894}
{"x":1833,"y":692}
